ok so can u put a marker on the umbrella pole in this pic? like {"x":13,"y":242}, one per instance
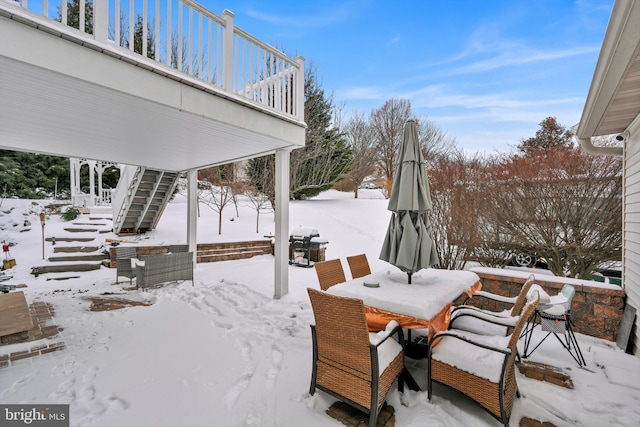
{"x":409,"y":275}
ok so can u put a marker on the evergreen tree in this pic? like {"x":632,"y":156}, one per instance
{"x":551,"y":135}
{"x":138,"y":35}
{"x":324,"y":159}
{"x":33,"y":176}
{"x":73,"y":15}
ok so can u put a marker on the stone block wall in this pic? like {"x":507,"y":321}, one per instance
{"x":596,"y":310}
{"x":210,"y":252}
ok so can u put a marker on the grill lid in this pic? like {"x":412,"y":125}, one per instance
{"x":304,"y":233}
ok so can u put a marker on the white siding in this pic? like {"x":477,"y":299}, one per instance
{"x":632,"y":230}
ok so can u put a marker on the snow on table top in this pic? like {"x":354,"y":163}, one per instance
{"x":430,"y":292}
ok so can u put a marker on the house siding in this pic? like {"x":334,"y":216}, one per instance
{"x":631,"y":245}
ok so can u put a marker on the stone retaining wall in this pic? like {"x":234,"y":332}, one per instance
{"x":210,"y":252}
{"x":596,"y":309}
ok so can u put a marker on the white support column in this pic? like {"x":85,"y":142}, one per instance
{"x":74,"y":176}
{"x":281,"y":284}
{"x":192,"y":212}
{"x":100,"y":167}
{"x":92,"y":182}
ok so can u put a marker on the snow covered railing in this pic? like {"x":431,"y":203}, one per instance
{"x":184,"y":41}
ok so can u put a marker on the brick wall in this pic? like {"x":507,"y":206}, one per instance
{"x":210,"y":252}
{"x":595,"y":310}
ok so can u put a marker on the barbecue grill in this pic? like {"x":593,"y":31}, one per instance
{"x":304,"y":241}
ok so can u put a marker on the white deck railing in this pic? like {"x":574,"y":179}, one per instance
{"x":190,"y":40}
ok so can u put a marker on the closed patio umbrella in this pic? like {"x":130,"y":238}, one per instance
{"x":408,"y":243}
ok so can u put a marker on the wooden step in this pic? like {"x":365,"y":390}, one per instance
{"x":63,"y":268}
{"x":71,"y":239}
{"x":58,"y":249}
{"x":66,"y":258}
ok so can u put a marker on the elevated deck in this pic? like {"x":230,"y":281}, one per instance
{"x":83,"y":94}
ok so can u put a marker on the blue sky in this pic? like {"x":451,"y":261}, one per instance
{"x":487,"y":72}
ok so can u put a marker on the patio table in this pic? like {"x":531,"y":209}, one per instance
{"x":424,"y":304}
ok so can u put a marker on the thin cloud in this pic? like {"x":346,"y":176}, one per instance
{"x":320,"y":19}
{"x":519,"y":57}
{"x":394,"y":41}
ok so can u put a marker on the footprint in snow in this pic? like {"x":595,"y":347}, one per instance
{"x":276,"y":363}
{"x":236,"y":389}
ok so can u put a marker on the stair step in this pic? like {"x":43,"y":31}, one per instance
{"x":59,"y":249}
{"x":71,"y":239}
{"x":65,"y":268}
{"x":65,"y":258}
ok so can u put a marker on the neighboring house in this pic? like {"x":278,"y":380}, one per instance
{"x":613,"y":107}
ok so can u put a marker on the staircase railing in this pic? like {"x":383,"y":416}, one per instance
{"x":184,"y":41}
{"x":130,"y":178}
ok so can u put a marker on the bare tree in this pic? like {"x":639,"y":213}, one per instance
{"x":215,"y":189}
{"x":360,"y":138}
{"x":454,"y":217}
{"x":388,"y":122}
{"x":434,"y":141}
{"x":562,"y":204}
{"x":259,"y":201}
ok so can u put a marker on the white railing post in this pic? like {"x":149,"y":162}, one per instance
{"x":299,"y":91}
{"x":227,"y":60}
{"x":100,"y":21}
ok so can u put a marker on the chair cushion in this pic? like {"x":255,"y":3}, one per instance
{"x":470,"y":358}
{"x":477,"y":326}
{"x":387,"y":351}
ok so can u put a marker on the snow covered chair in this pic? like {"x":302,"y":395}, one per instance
{"x":487,"y":322}
{"x":554,"y":318}
{"x":349,"y":362}
{"x":359,"y":266}
{"x":480,"y":366}
{"x":124,"y":255}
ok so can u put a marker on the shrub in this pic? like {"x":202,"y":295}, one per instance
{"x":70,"y":214}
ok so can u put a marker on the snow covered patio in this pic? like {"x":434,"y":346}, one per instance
{"x":224,"y":352}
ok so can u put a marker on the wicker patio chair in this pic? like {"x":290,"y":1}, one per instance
{"x":358,"y":265}
{"x":178,"y":248}
{"x":124,"y":254}
{"x":350,"y":363}
{"x":467,"y":316}
{"x":480,"y":366}
{"x":329,"y":273}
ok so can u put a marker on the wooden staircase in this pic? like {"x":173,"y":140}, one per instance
{"x":147,"y":195}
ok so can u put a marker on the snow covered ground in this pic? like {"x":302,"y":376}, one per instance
{"x":223,"y":352}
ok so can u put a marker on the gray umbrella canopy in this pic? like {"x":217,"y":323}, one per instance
{"x":409,"y":243}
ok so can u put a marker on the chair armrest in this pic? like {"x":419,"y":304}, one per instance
{"x":506,"y":313}
{"x":460,"y":335}
{"x":508,"y":321}
{"x":495,"y":297}
{"x":391,"y":328}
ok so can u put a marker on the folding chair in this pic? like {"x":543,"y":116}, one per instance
{"x":555,"y":318}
